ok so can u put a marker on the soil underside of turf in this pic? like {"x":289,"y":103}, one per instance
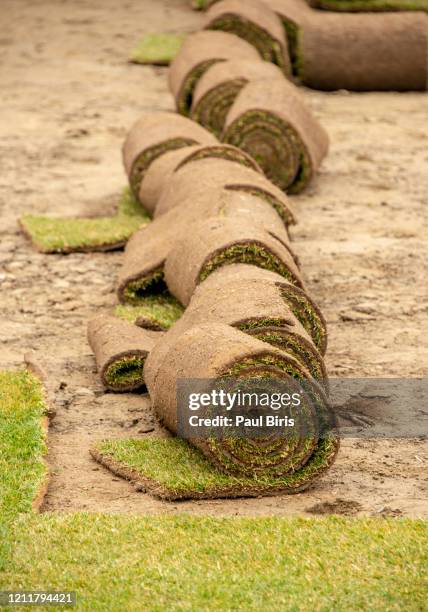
{"x":69,"y":97}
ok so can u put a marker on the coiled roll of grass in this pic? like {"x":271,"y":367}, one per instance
{"x":120,"y":350}
{"x":215,"y":173}
{"x":218,"y":88}
{"x":253,"y":21}
{"x":153,"y":135}
{"x":162,"y":170}
{"x":200,"y":51}
{"x":222,"y":241}
{"x":271,"y":122}
{"x":146,"y":253}
{"x":355,"y":51}
{"x":217,"y":352}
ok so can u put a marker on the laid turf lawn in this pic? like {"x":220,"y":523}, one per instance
{"x":66,"y":234}
{"x":157,"y":48}
{"x":183,"y":562}
{"x":163,"y":310}
{"x":117,"y":562}
{"x":22,"y":447}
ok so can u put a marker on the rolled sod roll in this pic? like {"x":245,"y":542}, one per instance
{"x":386,"y":52}
{"x":200,"y":51}
{"x":216,"y":242}
{"x":272,"y":292}
{"x":300,"y":303}
{"x":271,"y":122}
{"x":161,"y":170}
{"x":219,"y":352}
{"x":217,"y":89}
{"x":214,"y":173}
{"x":153,"y":135}
{"x":158,"y":175}
{"x":257,"y":309}
{"x":257,"y":24}
{"x":293,"y":14}
{"x":120,"y":350}
{"x":359,"y":52}
{"x":367,"y":6}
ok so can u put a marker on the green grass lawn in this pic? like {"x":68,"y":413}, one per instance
{"x":22,"y":447}
{"x":183,"y":562}
{"x":117,"y":562}
{"x":68,"y":234}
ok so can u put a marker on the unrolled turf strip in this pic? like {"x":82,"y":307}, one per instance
{"x":368,"y":6}
{"x":200,"y":51}
{"x":359,"y":52}
{"x":220,"y":84}
{"x":120,"y":350}
{"x":86,"y":234}
{"x":162,"y":169}
{"x":271,"y":121}
{"x":255,"y":23}
{"x":142,"y":272}
{"x":220,"y":241}
{"x":157,"y":48}
{"x":214,"y":173}
{"x":215,"y":351}
{"x":153,"y":135}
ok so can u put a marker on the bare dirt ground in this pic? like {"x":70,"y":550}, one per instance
{"x":69,"y":97}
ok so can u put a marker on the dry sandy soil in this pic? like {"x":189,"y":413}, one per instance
{"x":69,"y":97}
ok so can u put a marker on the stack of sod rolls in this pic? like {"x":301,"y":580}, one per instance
{"x":219,"y":244}
{"x":359,"y":51}
{"x":206,"y":184}
{"x":233,"y":79}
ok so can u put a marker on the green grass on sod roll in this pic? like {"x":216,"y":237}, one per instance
{"x":162,"y":310}
{"x":67,"y":234}
{"x":269,"y":49}
{"x":157,"y":48}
